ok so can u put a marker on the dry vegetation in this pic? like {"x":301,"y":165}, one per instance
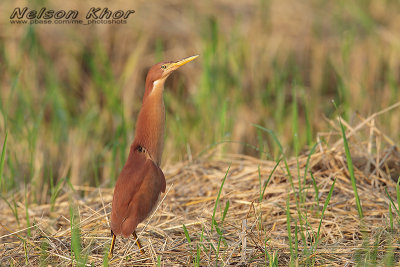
{"x":69,"y":96}
{"x":251,"y":227}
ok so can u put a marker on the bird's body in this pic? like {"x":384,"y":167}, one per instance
{"x":141,"y":180}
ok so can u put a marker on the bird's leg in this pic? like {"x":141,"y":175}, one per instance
{"x":110,"y":253}
{"x":138,"y":242}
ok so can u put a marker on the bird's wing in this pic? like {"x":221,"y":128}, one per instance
{"x":145,"y":199}
{"x":137,"y":189}
{"x":159,"y":175}
{"x":128,"y":184}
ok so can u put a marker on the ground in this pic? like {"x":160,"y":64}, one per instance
{"x":229,"y":209}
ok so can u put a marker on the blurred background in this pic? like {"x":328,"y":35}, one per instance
{"x":70,"y":94}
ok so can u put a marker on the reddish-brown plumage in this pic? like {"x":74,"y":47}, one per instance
{"x":153,"y":75}
{"x":141,"y":180}
{"x":139,"y":185}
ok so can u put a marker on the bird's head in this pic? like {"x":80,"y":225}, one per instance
{"x":160,"y":72}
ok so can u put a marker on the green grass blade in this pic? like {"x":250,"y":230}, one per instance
{"x":308,"y":162}
{"x":44,"y":246}
{"x":76,"y":245}
{"x":198,"y":251}
{"x":13,"y":208}
{"x":186,"y":234}
{"x":28,"y":224}
{"x":288,"y":225}
{"x":391,"y":217}
{"x":296,"y":241}
{"x":273,"y":135}
{"x":55,"y":191}
{"x":276,"y":140}
{"x":393,"y":205}
{"x":307,"y":121}
{"x":3,"y":156}
{"x":316,"y":190}
{"x":328,"y":198}
{"x":158,"y":261}
{"x":218,"y":197}
{"x":225,"y":211}
{"x":351,"y":170}
{"x":268,"y":180}
{"x":295,"y":121}
{"x":398,"y":193}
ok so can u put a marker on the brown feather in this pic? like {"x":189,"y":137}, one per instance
{"x":151,"y":122}
{"x":137,"y":190}
{"x":153,"y":75}
{"x":141,"y":180}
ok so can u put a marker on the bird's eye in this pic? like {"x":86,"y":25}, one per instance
{"x":163,"y":67}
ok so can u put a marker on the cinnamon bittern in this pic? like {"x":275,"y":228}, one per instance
{"x":141,"y":180}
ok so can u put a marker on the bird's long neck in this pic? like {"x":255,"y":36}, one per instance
{"x":151,"y":122}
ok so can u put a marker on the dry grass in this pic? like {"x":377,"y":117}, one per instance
{"x":261,"y":49}
{"x":191,"y":193}
{"x":69,"y":95}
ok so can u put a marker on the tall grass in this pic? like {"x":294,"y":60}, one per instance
{"x":68,"y":105}
{"x":72,"y":104}
{"x":351,"y":171}
{"x":204,"y":244}
{"x":77,"y":252}
{"x":3,"y":185}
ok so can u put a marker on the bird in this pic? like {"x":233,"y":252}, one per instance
{"x":141,"y":179}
